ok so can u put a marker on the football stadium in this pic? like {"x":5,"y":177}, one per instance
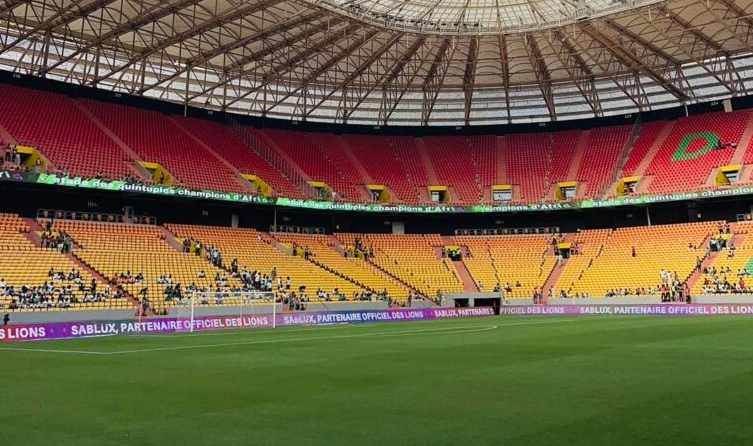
{"x":361,"y":222}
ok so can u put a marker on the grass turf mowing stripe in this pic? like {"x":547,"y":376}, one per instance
{"x":540,"y":384}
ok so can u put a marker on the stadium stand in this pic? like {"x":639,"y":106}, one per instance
{"x":484,"y":148}
{"x":314,"y":160}
{"x":380,"y":161}
{"x":455,"y":166}
{"x":53,"y":281}
{"x":259,"y":252}
{"x":156,"y":138}
{"x":605,"y":148}
{"x":116,"y":249}
{"x":351,"y":181}
{"x":674,"y":248}
{"x":729,"y":271}
{"x":354,"y":268}
{"x":528,"y":160}
{"x":675,"y":170}
{"x":96,"y":138}
{"x":589,"y":245}
{"x":70,"y":140}
{"x":409,"y":157}
{"x":247,"y":161}
{"x":517,"y":263}
{"x":648,"y":134}
{"x":562,"y":153}
{"x":138,"y":259}
{"x":412,"y":259}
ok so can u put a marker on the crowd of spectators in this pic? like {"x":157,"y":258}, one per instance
{"x":61,"y":290}
{"x":717,"y":281}
{"x":56,"y":239}
{"x":359,"y":249}
{"x":10,"y":158}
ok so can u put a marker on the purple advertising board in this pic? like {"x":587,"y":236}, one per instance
{"x":70,"y":330}
{"x":629,"y":310}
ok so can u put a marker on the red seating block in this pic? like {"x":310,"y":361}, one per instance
{"x":691,"y":172}
{"x":52,"y":124}
{"x":227,"y":145}
{"x":527,"y":164}
{"x":454,"y":163}
{"x":601,"y":157}
{"x":155,"y":138}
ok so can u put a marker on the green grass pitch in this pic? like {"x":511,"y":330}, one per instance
{"x":524,"y":381}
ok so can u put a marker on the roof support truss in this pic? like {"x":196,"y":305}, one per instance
{"x":505,"y":65}
{"x":64,"y":15}
{"x":355,"y":42}
{"x":11,"y":5}
{"x":610,"y":64}
{"x":400,"y":79}
{"x":355,"y":94}
{"x":346,"y":84}
{"x":641,"y":56}
{"x":580,"y":74}
{"x":154,"y":13}
{"x":196,"y":27}
{"x":288,"y":58}
{"x":236,"y":70}
{"x":274,"y":69}
{"x":695,"y":46}
{"x":206,"y":56}
{"x":469,"y":78}
{"x":435,"y":77}
{"x":541,"y":73}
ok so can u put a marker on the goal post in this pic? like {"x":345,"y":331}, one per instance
{"x":239,"y":304}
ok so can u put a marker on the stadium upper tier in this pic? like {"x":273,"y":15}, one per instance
{"x":391,"y":62}
{"x":113,"y":141}
{"x":116,"y":265}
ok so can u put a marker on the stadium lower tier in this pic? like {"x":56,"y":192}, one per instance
{"x":100,"y":139}
{"x":69,"y":265}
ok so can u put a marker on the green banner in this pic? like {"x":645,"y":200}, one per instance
{"x":121,"y":186}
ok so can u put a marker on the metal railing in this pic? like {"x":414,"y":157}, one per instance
{"x":99,"y":217}
{"x":509,"y":231}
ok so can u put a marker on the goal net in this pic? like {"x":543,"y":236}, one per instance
{"x":198,"y":306}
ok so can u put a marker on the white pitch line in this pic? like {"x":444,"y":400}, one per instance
{"x":443,"y":330}
{"x":438,"y":331}
{"x":44,"y":350}
{"x":283,"y":330}
{"x":239,"y":331}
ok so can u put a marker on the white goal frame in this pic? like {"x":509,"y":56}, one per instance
{"x":244,"y":300}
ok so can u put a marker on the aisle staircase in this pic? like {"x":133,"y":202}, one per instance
{"x":655,"y":147}
{"x":501,"y":151}
{"x":469,"y":285}
{"x":431,"y":173}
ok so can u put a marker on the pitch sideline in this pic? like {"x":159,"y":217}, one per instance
{"x":436,"y":331}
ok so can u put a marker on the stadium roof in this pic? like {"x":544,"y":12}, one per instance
{"x":432,"y":62}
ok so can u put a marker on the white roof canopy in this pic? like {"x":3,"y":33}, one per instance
{"x":383,"y":62}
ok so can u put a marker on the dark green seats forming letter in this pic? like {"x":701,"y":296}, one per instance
{"x":682,"y":154}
